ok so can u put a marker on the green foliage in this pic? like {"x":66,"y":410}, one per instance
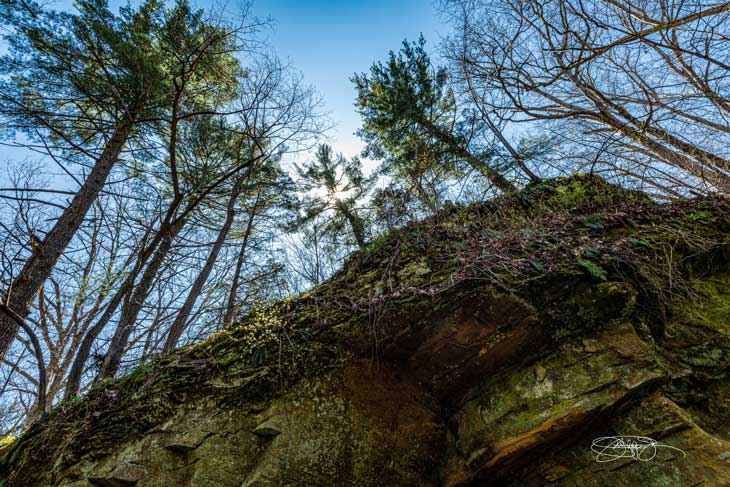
{"x":594,"y":222}
{"x":398,"y":98}
{"x":699,"y":215}
{"x":337,"y":189}
{"x":74,"y":76}
{"x":209,"y":71}
{"x":412,"y":123}
{"x":595,"y":270}
{"x":104,"y":63}
{"x":263,"y":322}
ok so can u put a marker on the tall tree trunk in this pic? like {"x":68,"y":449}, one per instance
{"x":231,"y":304}
{"x":178,"y":326}
{"x":41,"y":405}
{"x":132,"y":307}
{"x":73,"y":383}
{"x":44,"y":257}
{"x":475,"y":162}
{"x":356,"y":224}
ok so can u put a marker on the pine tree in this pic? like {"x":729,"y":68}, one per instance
{"x":412,"y":122}
{"x":337,"y":187}
{"x":81,"y":82}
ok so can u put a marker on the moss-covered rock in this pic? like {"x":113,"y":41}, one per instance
{"x":487,"y":345}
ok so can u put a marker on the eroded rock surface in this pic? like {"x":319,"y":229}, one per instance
{"x":423,"y":363}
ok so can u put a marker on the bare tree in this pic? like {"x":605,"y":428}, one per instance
{"x":311,"y":254}
{"x":644,"y":83}
{"x":66,"y":306}
{"x":97,"y":80}
{"x":274,"y":113}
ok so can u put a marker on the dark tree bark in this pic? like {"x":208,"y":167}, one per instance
{"x":475,"y":162}
{"x":356,"y":224}
{"x":231,"y":303}
{"x":133,"y":305}
{"x":181,"y":320}
{"x":45,"y":255}
{"x":73,"y":383}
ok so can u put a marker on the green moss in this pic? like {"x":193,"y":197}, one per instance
{"x":711,"y":307}
{"x":228,"y":368}
{"x":569,"y":195}
{"x":584,"y":191}
{"x":698,"y":334}
{"x":375,"y":246}
{"x":414,"y":273}
{"x":571,"y":306}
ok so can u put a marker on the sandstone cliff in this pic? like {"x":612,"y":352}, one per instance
{"x":488,"y":345}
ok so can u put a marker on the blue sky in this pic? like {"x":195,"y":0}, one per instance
{"x":329,"y":41}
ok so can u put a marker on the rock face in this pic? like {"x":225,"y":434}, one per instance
{"x":489,"y":345}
